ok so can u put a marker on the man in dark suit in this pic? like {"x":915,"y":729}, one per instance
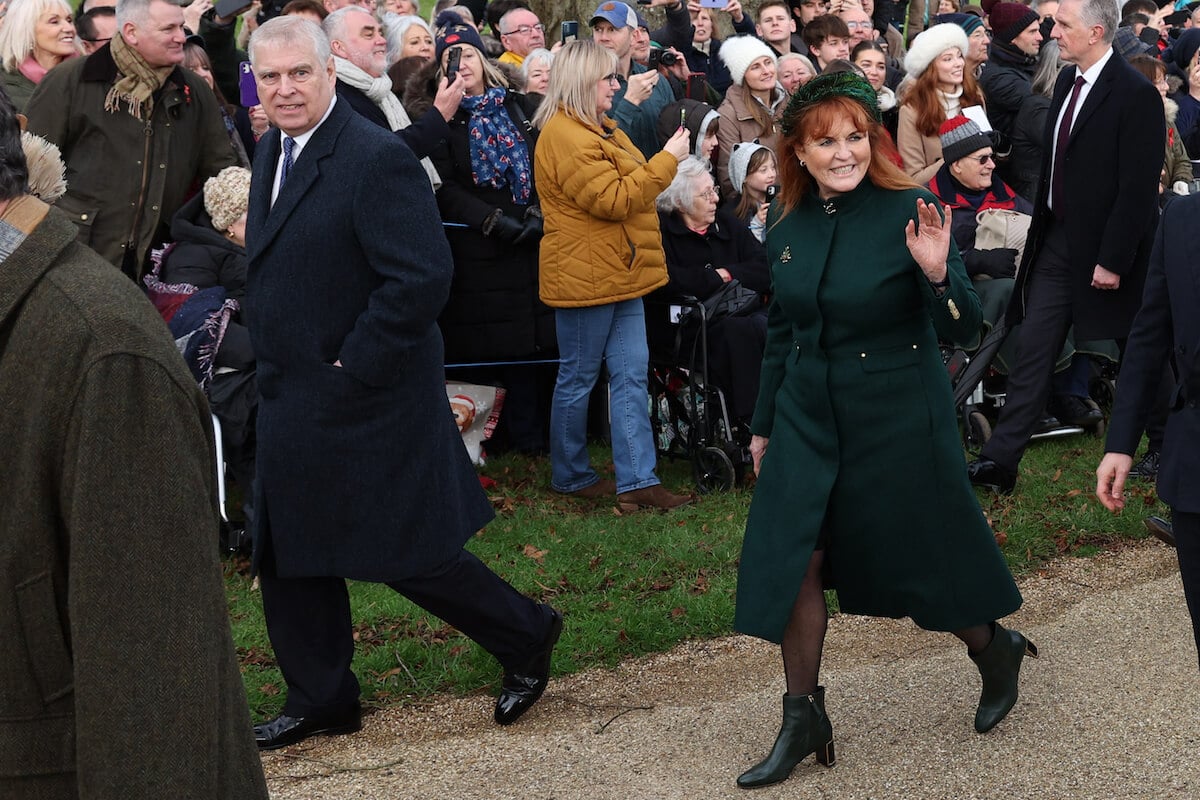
{"x":1093,"y":223}
{"x":1166,"y":325}
{"x":361,"y":471}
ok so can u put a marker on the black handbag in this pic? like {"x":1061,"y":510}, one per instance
{"x":731,"y":300}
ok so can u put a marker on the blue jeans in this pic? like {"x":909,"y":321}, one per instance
{"x":614,"y":334}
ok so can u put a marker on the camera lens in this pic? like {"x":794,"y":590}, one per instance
{"x":668,"y":58}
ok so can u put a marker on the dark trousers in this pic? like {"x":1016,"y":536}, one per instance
{"x":1187,"y":550}
{"x":1047,"y":319}
{"x":309,"y":623}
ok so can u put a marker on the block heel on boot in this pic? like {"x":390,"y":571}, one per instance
{"x":806,"y":730}
{"x":999,"y":666}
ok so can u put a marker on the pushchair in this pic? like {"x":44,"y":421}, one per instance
{"x":978,"y":380}
{"x":689,"y":414}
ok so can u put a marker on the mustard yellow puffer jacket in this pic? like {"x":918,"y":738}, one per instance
{"x":602,"y":243}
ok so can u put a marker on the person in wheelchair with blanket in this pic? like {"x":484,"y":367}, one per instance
{"x":713,"y":258}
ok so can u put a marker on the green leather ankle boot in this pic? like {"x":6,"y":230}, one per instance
{"x":999,"y":665}
{"x":806,"y":729}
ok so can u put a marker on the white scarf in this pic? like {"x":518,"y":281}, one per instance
{"x":379,"y":91}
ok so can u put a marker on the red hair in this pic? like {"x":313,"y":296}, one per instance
{"x":819,"y":120}
{"x":922,"y":97}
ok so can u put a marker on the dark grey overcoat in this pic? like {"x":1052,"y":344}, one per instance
{"x":361,"y":471}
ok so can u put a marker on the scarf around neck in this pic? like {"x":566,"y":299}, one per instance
{"x":138,"y":81}
{"x":499,"y":155}
{"x":951,"y":101}
{"x":379,"y":91}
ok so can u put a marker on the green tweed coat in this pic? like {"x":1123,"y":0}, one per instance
{"x":117,"y":671}
{"x":863,"y":437}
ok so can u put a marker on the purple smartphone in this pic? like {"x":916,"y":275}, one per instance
{"x":247,"y":86}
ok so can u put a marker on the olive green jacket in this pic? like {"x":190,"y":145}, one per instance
{"x":117,"y":671}
{"x":126,"y":177}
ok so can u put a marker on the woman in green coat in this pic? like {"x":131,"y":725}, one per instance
{"x":861,"y":487}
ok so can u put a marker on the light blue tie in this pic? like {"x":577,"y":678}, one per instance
{"x":289,"y":144}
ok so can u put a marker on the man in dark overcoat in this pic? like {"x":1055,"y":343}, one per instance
{"x":361,"y":470}
{"x":1093,"y":223}
{"x":1166,"y":326}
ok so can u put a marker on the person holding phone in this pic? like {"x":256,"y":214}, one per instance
{"x":691,"y":29}
{"x":601,"y":253}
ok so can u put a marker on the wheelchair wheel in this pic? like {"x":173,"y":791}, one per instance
{"x":713,"y":470}
{"x":979,"y":430}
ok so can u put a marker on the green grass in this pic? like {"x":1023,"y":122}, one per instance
{"x":632,"y":584}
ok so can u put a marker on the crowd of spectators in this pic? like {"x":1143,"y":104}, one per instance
{"x":147,"y":101}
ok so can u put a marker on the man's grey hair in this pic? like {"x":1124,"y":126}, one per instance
{"x":504,"y":20}
{"x":335,"y":23}
{"x":1101,"y":12}
{"x":135,"y":11}
{"x":291,"y":30}
{"x":680,"y":194}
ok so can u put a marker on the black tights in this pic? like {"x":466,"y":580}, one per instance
{"x":804,"y":636}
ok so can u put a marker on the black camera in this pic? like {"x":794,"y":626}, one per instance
{"x":660,"y":56}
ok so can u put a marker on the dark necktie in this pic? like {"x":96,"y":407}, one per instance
{"x":1060,"y":151}
{"x":289,"y":144}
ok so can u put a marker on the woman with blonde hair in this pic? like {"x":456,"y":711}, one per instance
{"x":938,"y":88}
{"x":37,"y":36}
{"x":601,"y":253}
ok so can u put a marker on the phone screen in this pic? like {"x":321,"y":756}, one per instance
{"x":697,"y":86}
{"x":452,"y":63}
{"x":247,"y":86}
{"x":570,"y":31}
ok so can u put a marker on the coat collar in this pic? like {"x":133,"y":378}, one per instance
{"x":302,"y":176}
{"x":101,"y":68}
{"x":21,"y":271}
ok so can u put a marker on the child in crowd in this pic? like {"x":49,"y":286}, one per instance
{"x":752,"y":172}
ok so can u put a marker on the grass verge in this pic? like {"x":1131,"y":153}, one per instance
{"x":632,"y":584}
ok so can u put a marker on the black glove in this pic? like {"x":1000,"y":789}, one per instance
{"x":505,"y":228}
{"x":998,"y":263}
{"x":531,"y":231}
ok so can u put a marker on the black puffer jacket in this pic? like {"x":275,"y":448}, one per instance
{"x":203,"y":257}
{"x":1007,"y":80}
{"x":493,"y":313}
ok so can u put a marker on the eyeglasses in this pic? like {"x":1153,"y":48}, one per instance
{"x":713,"y":192}
{"x":983,"y":159}
{"x":611,"y":78}
{"x":852,"y":25}
{"x":525,"y":30}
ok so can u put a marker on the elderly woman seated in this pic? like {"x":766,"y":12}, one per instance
{"x":707,"y":248}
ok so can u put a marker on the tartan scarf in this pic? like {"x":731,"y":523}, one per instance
{"x":137,"y":84}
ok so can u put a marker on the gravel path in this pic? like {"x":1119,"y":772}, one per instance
{"x":1110,"y":711}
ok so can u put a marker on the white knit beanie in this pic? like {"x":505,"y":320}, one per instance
{"x":739,"y":52}
{"x":931,"y":43}
{"x":739,"y":162}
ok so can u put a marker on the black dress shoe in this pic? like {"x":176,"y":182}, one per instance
{"x":522,"y":689}
{"x":1072,"y":410}
{"x":1147,"y":467}
{"x":990,"y":475}
{"x":1162,"y":530}
{"x":285,"y":730}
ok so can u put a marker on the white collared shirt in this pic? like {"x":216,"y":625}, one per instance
{"x":1089,"y":80}
{"x":300,"y":141}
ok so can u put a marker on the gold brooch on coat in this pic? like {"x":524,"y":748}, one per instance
{"x":953,"y":309}
{"x":786,"y":255}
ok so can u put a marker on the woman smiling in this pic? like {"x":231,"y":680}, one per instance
{"x":37,"y":36}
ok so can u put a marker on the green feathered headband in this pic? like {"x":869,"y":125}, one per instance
{"x":823,"y":87}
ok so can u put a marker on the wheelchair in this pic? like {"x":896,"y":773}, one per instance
{"x":688,"y":414}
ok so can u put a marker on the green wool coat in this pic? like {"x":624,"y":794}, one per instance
{"x":118,"y":679}
{"x":863,"y":441}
